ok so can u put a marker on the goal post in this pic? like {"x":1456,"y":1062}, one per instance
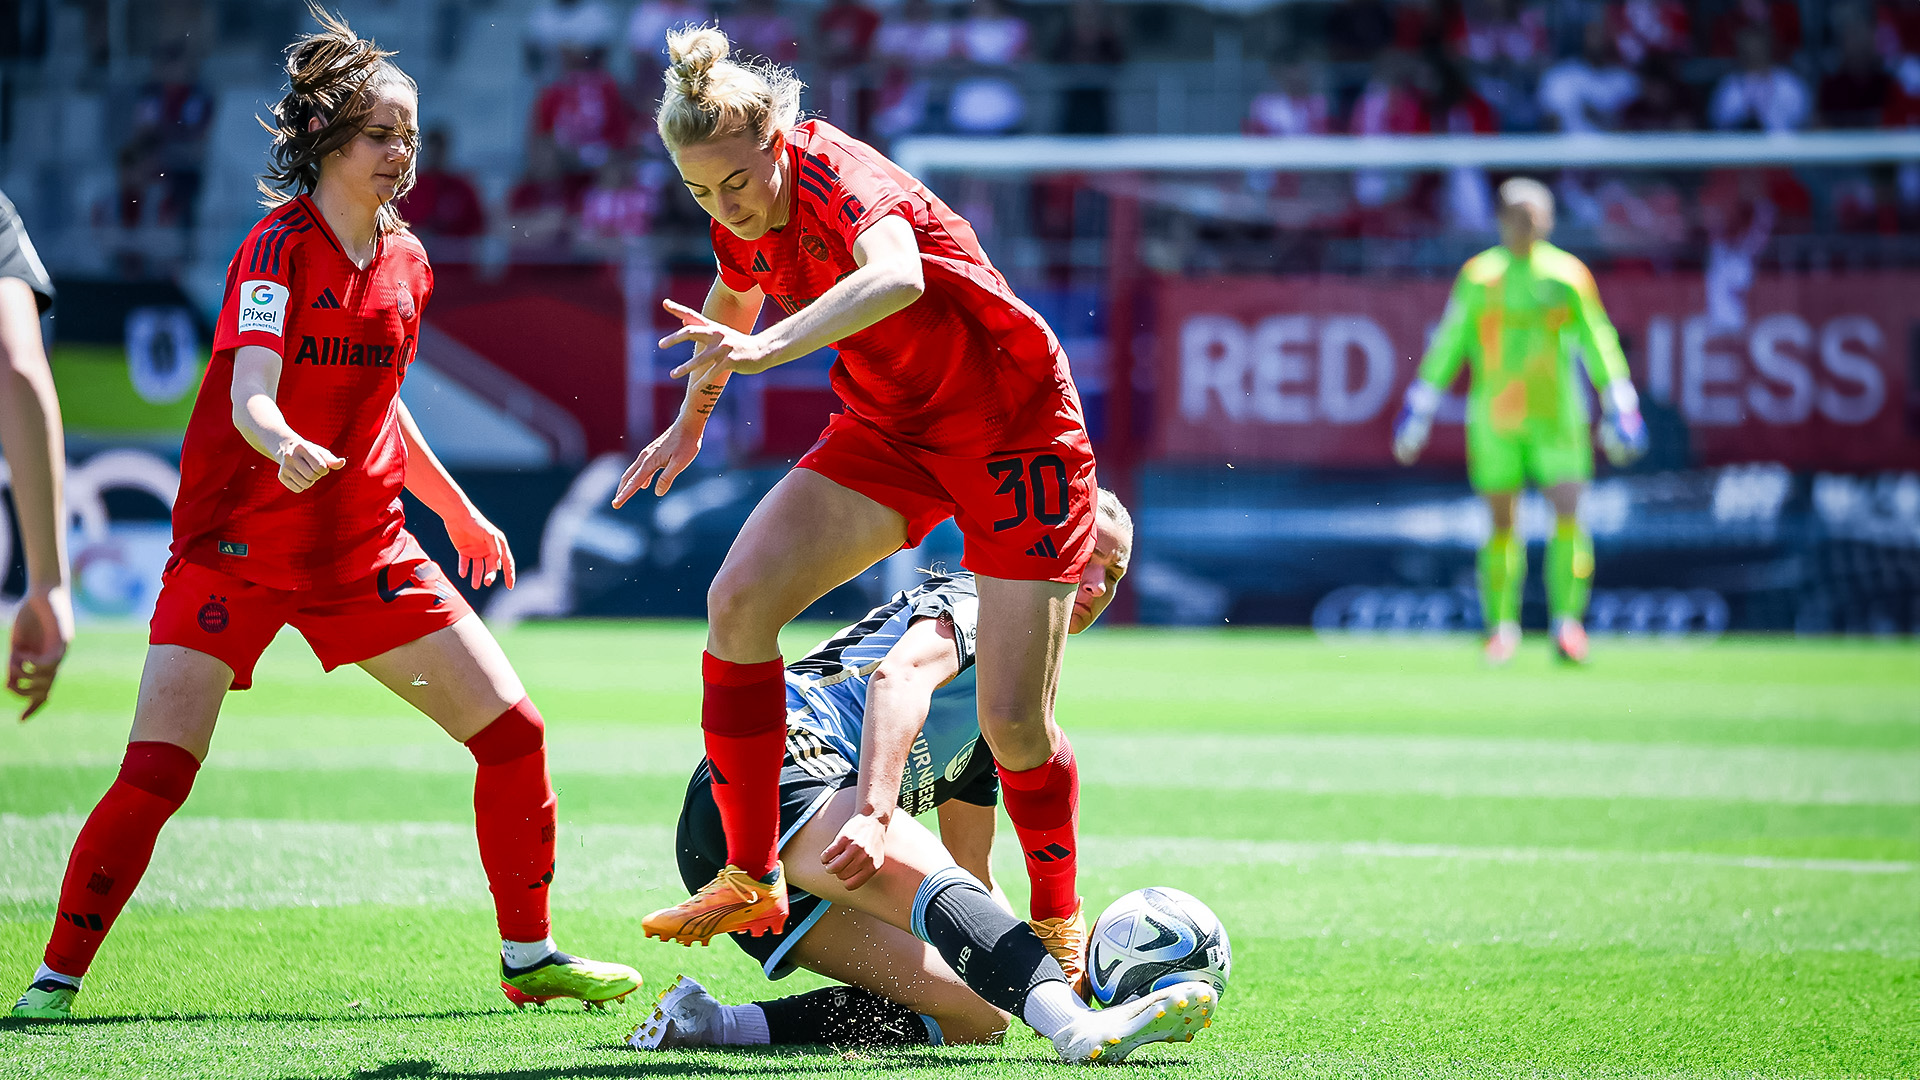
{"x":931,"y":155}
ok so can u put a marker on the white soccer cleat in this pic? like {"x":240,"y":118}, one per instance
{"x":686,"y":1015}
{"x":1175,"y":1014}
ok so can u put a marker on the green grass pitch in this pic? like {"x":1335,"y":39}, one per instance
{"x":1683,"y":861}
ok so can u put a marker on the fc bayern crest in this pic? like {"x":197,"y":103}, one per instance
{"x":815,"y":246}
{"x":213,"y":615}
{"x":406,"y":303}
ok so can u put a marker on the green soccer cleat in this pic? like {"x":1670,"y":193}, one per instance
{"x":561,"y":976}
{"x":48,"y":999}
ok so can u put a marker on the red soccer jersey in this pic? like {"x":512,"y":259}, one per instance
{"x":345,"y":337}
{"x":966,"y":370}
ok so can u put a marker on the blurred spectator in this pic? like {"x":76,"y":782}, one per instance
{"x":558,"y":27}
{"x":1779,"y":20}
{"x":163,"y":158}
{"x":1418,"y":25}
{"x":1505,"y":44}
{"x":912,"y":43}
{"x":1294,"y":105}
{"x":1854,"y":94}
{"x":990,"y":34}
{"x":619,"y":207}
{"x":843,"y":35}
{"x":1903,"y":102}
{"x":915,"y":35}
{"x":443,"y":203}
{"x":1642,"y":213}
{"x":1589,"y":92}
{"x":1665,"y":102}
{"x":1759,"y":93}
{"x":1501,"y":32}
{"x":542,"y":206}
{"x":1649,"y":28}
{"x":759,"y":29}
{"x":647,"y":41}
{"x":843,"y":40}
{"x":1896,"y":29}
{"x":1092,"y":43}
{"x":1390,"y":104}
{"x":1458,"y":109}
{"x":1358,"y":29}
{"x":1742,"y":209}
{"x":992,"y":40}
{"x":583,"y":113}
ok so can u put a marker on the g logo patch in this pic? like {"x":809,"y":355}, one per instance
{"x":213,"y":615}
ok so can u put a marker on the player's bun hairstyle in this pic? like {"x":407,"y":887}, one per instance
{"x":711,"y":97}
{"x":332,"y":74}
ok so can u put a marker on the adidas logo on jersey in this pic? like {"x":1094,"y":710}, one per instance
{"x":760,"y":263}
{"x":325,"y":300}
{"x":1044,"y":549}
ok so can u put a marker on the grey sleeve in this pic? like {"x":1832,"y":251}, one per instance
{"x":955,"y":600}
{"x":18,"y":259}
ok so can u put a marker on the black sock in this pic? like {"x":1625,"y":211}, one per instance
{"x":843,"y":1016}
{"x":997,"y":954}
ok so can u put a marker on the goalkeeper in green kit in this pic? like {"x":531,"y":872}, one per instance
{"x":1518,"y":310}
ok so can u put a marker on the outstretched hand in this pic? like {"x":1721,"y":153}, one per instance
{"x":667,"y":456}
{"x":718,"y":349}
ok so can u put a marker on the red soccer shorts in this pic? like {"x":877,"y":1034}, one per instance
{"x":233,"y":620}
{"x":1026,"y":515}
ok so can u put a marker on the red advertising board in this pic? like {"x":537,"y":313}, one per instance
{"x":1821,"y":374}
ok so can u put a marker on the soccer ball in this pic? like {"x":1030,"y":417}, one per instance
{"x":1154,"y":938}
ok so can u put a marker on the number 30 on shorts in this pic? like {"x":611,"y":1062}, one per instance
{"x":1045,"y":475}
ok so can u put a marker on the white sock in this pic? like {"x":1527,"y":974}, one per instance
{"x":742,"y":1025}
{"x":46,"y":972}
{"x":1052,"y":1005}
{"x":525,"y":954}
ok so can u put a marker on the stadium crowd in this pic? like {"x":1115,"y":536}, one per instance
{"x":1365,"y":67}
{"x":592,"y":182}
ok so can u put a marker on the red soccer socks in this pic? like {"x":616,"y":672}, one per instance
{"x":113,"y":850}
{"x":744,"y":717}
{"x":515,"y":814}
{"x":1044,"y":803}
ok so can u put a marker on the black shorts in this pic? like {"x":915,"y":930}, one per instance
{"x":811,"y":774}
{"x":19,"y":260}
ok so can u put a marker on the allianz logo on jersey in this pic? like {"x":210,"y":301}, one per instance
{"x":346,"y":352}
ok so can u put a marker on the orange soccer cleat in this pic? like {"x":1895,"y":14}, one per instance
{"x":1066,"y":940}
{"x":732,"y":902}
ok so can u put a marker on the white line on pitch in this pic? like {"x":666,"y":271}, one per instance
{"x":1114,"y":851}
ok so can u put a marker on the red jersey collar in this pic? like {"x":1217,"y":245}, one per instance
{"x":305,"y":199}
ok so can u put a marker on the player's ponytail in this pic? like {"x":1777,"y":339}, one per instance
{"x":332,"y":74}
{"x":711,"y":97}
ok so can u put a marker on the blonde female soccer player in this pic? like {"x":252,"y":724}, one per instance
{"x":1518,"y":310}
{"x":958,"y":403}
